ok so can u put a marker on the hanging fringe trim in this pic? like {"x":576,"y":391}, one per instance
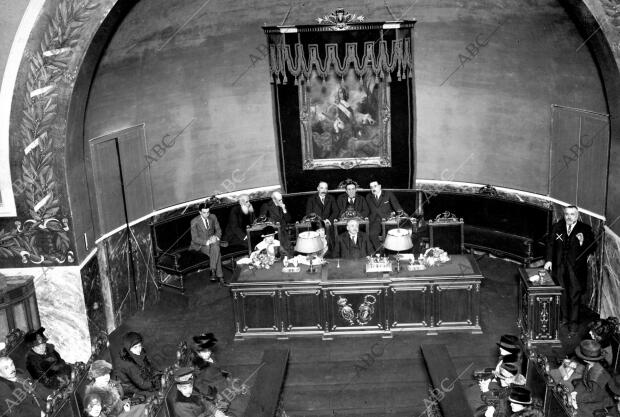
{"x":381,"y":64}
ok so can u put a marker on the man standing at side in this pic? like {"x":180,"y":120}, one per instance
{"x":241,"y":216}
{"x":381,"y":204}
{"x":351,"y":202}
{"x":206,"y":235}
{"x":322,"y":204}
{"x":569,"y":244}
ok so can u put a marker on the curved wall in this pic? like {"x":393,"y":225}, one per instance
{"x":173,"y":62}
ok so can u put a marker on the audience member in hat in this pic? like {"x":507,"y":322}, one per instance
{"x":110,"y":392}
{"x":520,"y":400}
{"x":494,"y":394}
{"x":19,"y":396}
{"x":603,"y":331}
{"x":189,"y":401}
{"x":269,"y":245}
{"x":43,"y":362}
{"x":568,"y":371}
{"x":135,"y":372}
{"x":93,"y":406}
{"x":508,"y":345}
{"x":206,"y":234}
{"x":590,"y":391}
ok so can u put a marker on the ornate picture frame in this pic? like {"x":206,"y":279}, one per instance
{"x":345,"y":122}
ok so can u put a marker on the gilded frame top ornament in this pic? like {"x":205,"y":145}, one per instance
{"x":340,"y":19}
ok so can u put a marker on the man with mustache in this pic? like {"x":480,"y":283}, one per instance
{"x":241,"y":216}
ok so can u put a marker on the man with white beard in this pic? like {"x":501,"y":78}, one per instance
{"x":19,"y":396}
{"x":241,"y":216}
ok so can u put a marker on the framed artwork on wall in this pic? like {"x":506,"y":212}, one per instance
{"x":344,"y":99}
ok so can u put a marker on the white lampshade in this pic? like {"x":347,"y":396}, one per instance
{"x":398,"y":240}
{"x":308,"y":242}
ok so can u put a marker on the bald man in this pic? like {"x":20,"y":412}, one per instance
{"x":322,"y":204}
{"x":275,"y":210}
{"x":19,"y":396}
{"x":241,"y":216}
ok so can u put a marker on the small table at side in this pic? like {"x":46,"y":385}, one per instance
{"x":342,"y":299}
{"x":539,"y":308}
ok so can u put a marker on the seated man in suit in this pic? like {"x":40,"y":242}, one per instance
{"x":206,"y":235}
{"x":350,"y":202}
{"x":241,"y":216}
{"x":382,"y":205}
{"x":322,"y":204}
{"x":353,"y":244}
{"x":275,"y":210}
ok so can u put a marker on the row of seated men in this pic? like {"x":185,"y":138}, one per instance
{"x":202,"y":387}
{"x":587,"y":375}
{"x":379,"y":204}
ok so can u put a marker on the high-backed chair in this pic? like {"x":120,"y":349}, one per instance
{"x":446,"y":232}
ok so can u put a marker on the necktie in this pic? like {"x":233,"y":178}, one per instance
{"x":206,"y":222}
{"x":351,"y":201}
{"x":570,"y":228}
{"x":323,"y":200}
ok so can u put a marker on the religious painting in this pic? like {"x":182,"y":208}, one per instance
{"x":345,"y":121}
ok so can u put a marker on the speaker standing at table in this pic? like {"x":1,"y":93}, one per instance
{"x":381,"y":204}
{"x":569,"y":244}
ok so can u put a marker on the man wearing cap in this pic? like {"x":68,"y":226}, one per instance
{"x":189,"y":401}
{"x":569,"y":244}
{"x":135,"y":372}
{"x":43,"y":362}
{"x":590,"y":391}
{"x":19,"y":396}
{"x":353,"y":244}
{"x":206,"y":235}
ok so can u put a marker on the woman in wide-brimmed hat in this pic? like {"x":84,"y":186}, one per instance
{"x":110,"y":392}
{"x":43,"y":362}
{"x":590,"y":391}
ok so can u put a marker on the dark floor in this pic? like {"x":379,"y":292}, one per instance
{"x":341,"y":377}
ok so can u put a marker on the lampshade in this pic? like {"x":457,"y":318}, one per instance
{"x":398,"y":240}
{"x":308,"y":242}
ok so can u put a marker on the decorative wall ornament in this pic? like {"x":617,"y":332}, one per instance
{"x":340,"y":19}
{"x":346,"y":310}
{"x":44,"y":238}
{"x":378,"y":63}
{"x":366,"y":310}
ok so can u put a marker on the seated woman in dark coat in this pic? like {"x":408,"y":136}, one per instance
{"x":135,"y":373}
{"x":110,"y":392}
{"x":43,"y":362}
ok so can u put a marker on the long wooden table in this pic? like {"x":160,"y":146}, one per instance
{"x":342,"y":299}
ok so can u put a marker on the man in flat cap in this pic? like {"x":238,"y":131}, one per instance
{"x":43,"y":362}
{"x":19,"y":396}
{"x":189,"y":401}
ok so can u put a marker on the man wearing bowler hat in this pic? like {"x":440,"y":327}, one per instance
{"x":495,"y":397}
{"x":520,"y":400}
{"x":43,"y":362}
{"x":189,"y":401}
{"x":590,"y":391}
{"x":509,"y":346}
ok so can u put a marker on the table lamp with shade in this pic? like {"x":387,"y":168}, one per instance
{"x":309,"y":243}
{"x":398,"y":240}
